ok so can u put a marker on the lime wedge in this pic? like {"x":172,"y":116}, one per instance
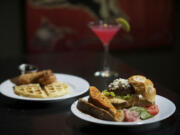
{"x":125,"y":24}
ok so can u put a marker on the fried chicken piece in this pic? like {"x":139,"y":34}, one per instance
{"x":47,"y":78}
{"x":30,"y":77}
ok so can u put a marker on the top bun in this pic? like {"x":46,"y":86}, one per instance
{"x":143,"y":86}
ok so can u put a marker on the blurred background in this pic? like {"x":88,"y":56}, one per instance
{"x":53,"y":26}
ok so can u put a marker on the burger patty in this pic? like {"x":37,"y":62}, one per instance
{"x":121,"y":87}
{"x":122,"y":91}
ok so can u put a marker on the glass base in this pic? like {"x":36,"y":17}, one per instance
{"x":106,"y":74}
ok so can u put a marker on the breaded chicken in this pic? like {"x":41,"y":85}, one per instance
{"x":33,"y":77}
{"x":47,"y":78}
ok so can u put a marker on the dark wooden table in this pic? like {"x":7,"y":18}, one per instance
{"x":34,"y":118}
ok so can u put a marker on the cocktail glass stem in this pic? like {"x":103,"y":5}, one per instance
{"x":106,"y":56}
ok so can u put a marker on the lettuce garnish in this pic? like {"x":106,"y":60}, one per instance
{"x":112,"y":94}
{"x":109,"y":93}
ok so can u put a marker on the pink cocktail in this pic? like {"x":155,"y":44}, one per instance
{"x":105,"y":32}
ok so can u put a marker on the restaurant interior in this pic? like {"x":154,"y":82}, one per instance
{"x":82,"y":67}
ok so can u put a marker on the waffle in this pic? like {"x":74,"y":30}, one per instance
{"x":30,"y":90}
{"x":56,"y":89}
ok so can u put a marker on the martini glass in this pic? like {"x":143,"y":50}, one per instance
{"x":105,"y":32}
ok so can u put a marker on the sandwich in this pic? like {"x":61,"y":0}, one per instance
{"x":137,"y":90}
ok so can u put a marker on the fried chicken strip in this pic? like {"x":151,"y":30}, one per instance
{"x":43,"y":77}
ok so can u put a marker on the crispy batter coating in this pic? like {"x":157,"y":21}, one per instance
{"x":47,"y":78}
{"x":34,"y":77}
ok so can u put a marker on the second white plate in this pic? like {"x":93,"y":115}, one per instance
{"x":77,"y":86}
{"x":166,"y":109}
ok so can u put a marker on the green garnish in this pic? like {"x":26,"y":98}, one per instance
{"x":124,"y":23}
{"x":138,"y":109}
{"x":112,"y":94}
{"x":144,"y":114}
{"x":127,"y":97}
{"x":108,"y":93}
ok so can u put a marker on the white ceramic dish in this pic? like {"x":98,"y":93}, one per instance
{"x":77,"y":86}
{"x":166,"y":109}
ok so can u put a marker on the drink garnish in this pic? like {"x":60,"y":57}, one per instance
{"x":124,"y":23}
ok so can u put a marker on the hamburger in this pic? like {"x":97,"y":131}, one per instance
{"x":136,"y":90}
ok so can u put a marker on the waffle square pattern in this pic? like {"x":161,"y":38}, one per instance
{"x":55,"y":89}
{"x":30,"y":90}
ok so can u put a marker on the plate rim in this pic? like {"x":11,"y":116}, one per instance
{"x":48,"y":99}
{"x":104,"y":122}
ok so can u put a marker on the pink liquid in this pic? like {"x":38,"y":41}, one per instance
{"x":105,"y":34}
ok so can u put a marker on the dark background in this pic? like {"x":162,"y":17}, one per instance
{"x":160,"y":64}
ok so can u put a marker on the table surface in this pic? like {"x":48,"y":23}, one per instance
{"x":34,"y":118}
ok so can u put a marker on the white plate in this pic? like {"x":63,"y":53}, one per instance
{"x":77,"y":86}
{"x":166,"y":109}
